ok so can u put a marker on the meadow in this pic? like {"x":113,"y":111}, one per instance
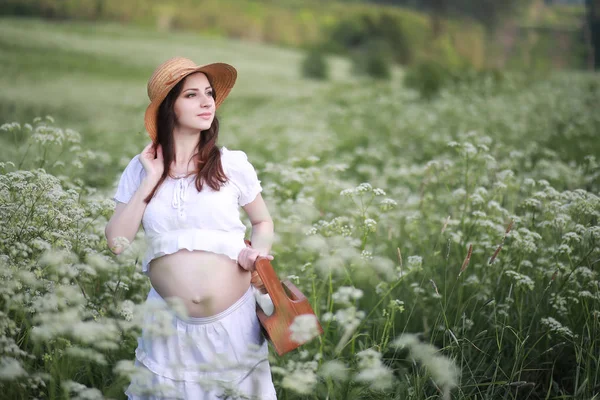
{"x":449,"y":247}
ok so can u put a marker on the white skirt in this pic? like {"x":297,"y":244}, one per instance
{"x":224,"y":356}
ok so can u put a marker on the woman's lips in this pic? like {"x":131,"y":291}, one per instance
{"x":205,"y":116}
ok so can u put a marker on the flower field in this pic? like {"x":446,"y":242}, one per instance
{"x":451,"y":248}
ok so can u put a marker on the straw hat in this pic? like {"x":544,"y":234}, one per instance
{"x":221,"y":76}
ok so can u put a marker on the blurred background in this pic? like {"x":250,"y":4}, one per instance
{"x":86,"y":62}
{"x":532,"y":34}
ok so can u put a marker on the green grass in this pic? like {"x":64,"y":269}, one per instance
{"x":92,"y":78}
{"x":377,"y":260}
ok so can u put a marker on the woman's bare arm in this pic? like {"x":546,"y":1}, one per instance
{"x":127,"y":218}
{"x":262,"y":225}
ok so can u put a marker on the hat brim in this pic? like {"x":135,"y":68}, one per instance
{"x":222,"y":78}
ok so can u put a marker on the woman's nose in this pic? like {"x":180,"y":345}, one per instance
{"x":206,"y":100}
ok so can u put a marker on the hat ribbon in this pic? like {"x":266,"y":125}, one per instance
{"x":182,"y":73}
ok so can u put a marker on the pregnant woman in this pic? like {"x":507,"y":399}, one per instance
{"x":186,"y":192}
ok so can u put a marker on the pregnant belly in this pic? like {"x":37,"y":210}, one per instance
{"x":207,"y":283}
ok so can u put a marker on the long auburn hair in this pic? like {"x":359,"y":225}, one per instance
{"x":208,"y":164}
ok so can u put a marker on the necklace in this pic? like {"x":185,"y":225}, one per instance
{"x":179,"y":176}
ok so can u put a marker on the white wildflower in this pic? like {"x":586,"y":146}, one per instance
{"x":533,"y":203}
{"x":559,"y":303}
{"x":335,"y":370}
{"x":300,"y":377}
{"x":304,"y":328}
{"x":414,"y":263}
{"x":373,"y":371}
{"x":81,"y":392}
{"x":476,"y":199}
{"x":571,"y":237}
{"x":387,"y":204}
{"x":384,"y":267}
{"x":346,"y":295}
{"x":364,"y":188}
{"x":349,"y":319}
{"x":468,"y":148}
{"x":521,"y":280}
{"x":311,"y":231}
{"x":585,"y":272}
{"x":86,"y":354}
{"x":330,"y":264}
{"x":443,"y":370}
{"x":500,"y":185}
{"x":347,"y":192}
{"x":556,"y":327}
{"x":119,"y":244}
{"x":564,"y":249}
{"x":459,"y":193}
{"x":417,"y":289}
{"x":505,"y":174}
{"x":586,"y":294}
{"x":397,"y":305}
{"x":10,"y":369}
{"x":370,"y":224}
{"x":526,"y":264}
{"x":127,"y":309}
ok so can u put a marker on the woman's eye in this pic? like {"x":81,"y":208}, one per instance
{"x":209,"y":93}
{"x":189,"y":95}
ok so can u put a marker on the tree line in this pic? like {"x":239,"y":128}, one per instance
{"x":491,"y":12}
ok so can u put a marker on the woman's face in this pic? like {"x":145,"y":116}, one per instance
{"x":195,"y":105}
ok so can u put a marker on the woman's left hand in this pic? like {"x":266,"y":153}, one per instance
{"x":248,"y":256}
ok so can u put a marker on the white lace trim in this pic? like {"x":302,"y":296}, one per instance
{"x":180,"y":196}
{"x":216,"y":241}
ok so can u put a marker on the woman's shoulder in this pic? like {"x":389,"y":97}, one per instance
{"x":242,"y":174}
{"x":135,"y":160}
{"x":233,"y":159}
{"x":130,"y":179}
{"x":135,"y":163}
{"x":135,"y":167}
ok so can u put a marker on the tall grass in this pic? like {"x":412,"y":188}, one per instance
{"x":449,"y":247}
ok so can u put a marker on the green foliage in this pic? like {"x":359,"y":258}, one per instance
{"x":382,"y":29}
{"x":314,"y":65}
{"x":340,"y":25}
{"x":376,"y":198}
{"x":392,"y":35}
{"x":373,"y":59}
{"x":427,"y":77}
{"x":443,"y":51}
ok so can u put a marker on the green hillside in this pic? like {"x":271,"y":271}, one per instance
{"x":92,"y":78}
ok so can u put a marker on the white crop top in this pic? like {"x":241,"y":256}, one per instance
{"x":180,"y":217}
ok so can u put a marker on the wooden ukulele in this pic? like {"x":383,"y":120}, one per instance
{"x":289,"y":302}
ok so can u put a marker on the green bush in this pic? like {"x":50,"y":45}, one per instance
{"x":373,"y":60}
{"x":360,"y":30}
{"x":314,"y":64}
{"x":430,"y":76}
{"x":427,"y":77}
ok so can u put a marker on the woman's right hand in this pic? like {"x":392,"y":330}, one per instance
{"x":153,"y":162}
